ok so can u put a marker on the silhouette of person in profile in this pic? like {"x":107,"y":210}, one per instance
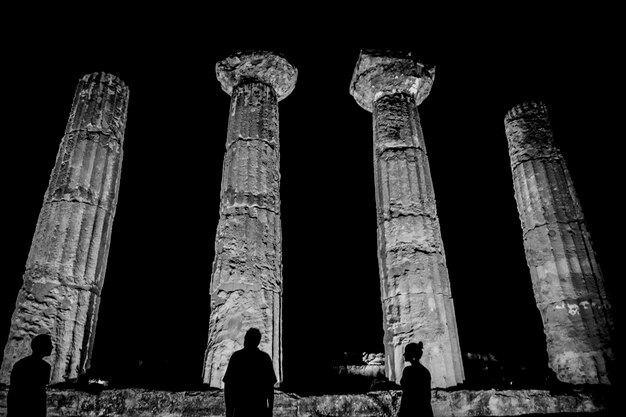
{"x":249,"y":380}
{"x":415,"y":383}
{"x":29,"y":378}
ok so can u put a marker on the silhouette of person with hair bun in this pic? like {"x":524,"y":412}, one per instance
{"x":415,"y":383}
{"x":249,"y":380}
{"x":29,"y":379}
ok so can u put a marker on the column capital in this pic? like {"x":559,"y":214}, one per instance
{"x":380,"y":72}
{"x":261,"y":66}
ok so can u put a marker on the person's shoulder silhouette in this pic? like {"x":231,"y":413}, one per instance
{"x":415,"y":383}
{"x":249,"y":380}
{"x":29,"y":378}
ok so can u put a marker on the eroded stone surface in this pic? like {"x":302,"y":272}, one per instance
{"x":415,"y":289}
{"x":389,"y":72}
{"x":567,"y":281}
{"x":67,"y":260}
{"x":141,"y":402}
{"x":260,"y":66}
{"x":246,"y":283}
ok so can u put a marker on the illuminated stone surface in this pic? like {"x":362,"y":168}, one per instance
{"x":415,"y":289}
{"x":459,"y":403}
{"x":567,"y":281}
{"x":66,"y":264}
{"x":246,"y":283}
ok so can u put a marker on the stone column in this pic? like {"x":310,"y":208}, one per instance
{"x":67,"y":261}
{"x":567,"y":281}
{"x":246,"y":283}
{"x":415,"y":289}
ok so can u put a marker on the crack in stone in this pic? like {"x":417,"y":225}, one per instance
{"x":557,"y":222}
{"x":410,"y":249}
{"x":391,"y":297}
{"x":53,"y":200}
{"x":398,"y":214}
{"x":271,"y":143}
{"x":57,"y":280}
{"x":96,"y":136}
{"x":551,"y":158}
{"x":401,"y":150}
{"x":276,"y":289}
{"x":247,"y":213}
{"x":94,"y":290}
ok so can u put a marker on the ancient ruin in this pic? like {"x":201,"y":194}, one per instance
{"x":456,"y":403}
{"x":246,"y":283}
{"x":66,"y":265}
{"x":415,"y":289}
{"x":567,"y":281}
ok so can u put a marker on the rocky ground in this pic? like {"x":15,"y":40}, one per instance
{"x":451,"y":403}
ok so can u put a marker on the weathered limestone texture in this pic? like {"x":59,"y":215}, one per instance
{"x":415,"y":289}
{"x":67,"y":261}
{"x":567,"y":281}
{"x":246,"y":283}
{"x":142,"y":402}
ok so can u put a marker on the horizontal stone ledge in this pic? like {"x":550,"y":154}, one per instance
{"x":450,"y":403}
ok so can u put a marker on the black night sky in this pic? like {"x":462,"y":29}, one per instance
{"x":155,"y":304}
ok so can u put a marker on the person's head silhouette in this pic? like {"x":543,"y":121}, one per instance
{"x":41,"y":345}
{"x":252,"y":338}
{"x":413,"y":351}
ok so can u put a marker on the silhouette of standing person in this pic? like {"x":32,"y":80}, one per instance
{"x":29,"y":378}
{"x":249,"y":380}
{"x":415,"y":383}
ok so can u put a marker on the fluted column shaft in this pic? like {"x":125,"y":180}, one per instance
{"x":66,"y":264}
{"x":246,"y":283}
{"x":567,"y":282}
{"x":415,"y":289}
